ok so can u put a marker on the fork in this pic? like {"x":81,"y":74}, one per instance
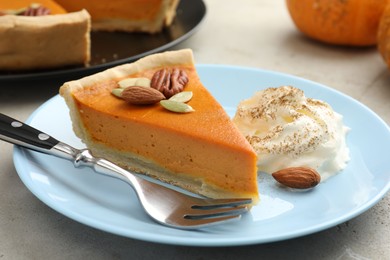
{"x":164,"y":205}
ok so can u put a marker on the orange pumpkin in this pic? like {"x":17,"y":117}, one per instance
{"x":384,"y":36}
{"x":341,"y":22}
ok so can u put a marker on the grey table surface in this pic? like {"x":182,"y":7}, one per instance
{"x":251,"y":33}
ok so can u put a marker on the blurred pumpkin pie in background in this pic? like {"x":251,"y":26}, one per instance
{"x":41,"y":36}
{"x":48,"y":34}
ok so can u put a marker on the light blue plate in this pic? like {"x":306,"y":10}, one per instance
{"x":111,"y":205}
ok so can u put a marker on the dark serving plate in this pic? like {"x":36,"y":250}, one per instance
{"x":109,"y":49}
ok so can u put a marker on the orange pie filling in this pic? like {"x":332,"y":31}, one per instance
{"x":124,"y":15}
{"x":101,"y":10}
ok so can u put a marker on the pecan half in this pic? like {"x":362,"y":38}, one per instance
{"x":169,"y":82}
{"x":36,"y":10}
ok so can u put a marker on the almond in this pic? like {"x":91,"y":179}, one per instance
{"x":297,"y":177}
{"x":137,"y":95}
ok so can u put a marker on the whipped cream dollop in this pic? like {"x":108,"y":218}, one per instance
{"x":286,"y":129}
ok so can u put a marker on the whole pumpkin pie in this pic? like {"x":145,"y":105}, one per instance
{"x":201,"y":150}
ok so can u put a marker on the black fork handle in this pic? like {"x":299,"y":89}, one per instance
{"x":19,"y":133}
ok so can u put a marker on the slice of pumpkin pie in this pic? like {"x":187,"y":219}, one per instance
{"x":191,"y":142}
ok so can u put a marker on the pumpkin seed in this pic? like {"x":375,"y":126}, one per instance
{"x":15,"y":11}
{"x":175,"y":106}
{"x":129,"y":82}
{"x":183,"y":96}
{"x":143,"y":82}
{"x":117,"y":92}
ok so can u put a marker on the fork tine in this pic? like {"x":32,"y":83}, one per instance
{"x":203,"y":222}
{"x":216,"y":212}
{"x":220,"y":203}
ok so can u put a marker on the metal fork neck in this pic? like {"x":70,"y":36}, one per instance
{"x":84,"y":158}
